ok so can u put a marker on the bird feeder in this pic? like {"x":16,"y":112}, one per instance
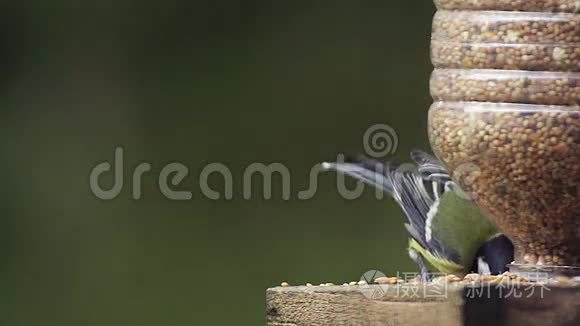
{"x":506,"y":121}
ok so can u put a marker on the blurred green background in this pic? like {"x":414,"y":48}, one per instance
{"x":236,"y":82}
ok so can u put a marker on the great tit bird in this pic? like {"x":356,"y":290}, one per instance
{"x":447,"y":231}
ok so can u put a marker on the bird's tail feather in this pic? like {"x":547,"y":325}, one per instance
{"x":373,"y":173}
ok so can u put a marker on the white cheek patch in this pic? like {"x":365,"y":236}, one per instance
{"x":482,"y":267}
{"x":430,"y":216}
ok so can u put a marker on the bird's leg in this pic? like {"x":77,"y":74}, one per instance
{"x":424,"y":274}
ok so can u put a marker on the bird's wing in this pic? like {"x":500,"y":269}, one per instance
{"x":457,"y":221}
{"x":417,"y":195}
{"x":420,"y":199}
{"x":445,"y":226}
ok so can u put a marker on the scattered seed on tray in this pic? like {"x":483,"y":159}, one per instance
{"x":469,"y":279}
